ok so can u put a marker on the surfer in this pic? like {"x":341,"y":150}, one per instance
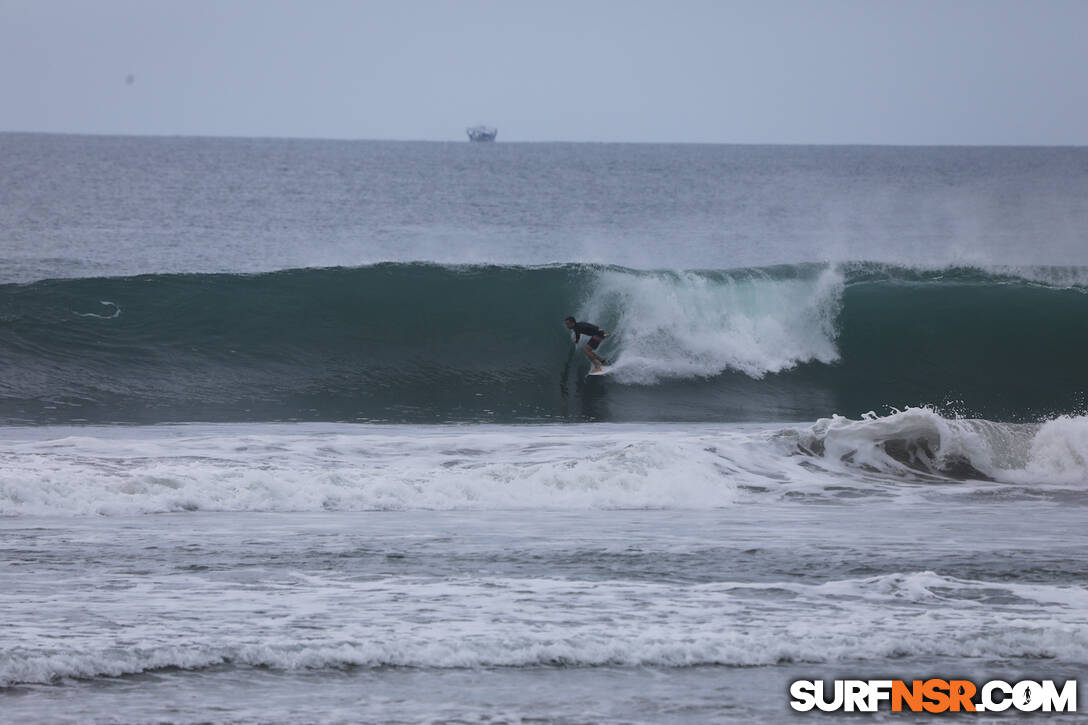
{"x":595,"y":334}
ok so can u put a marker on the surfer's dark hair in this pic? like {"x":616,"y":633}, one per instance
{"x":570,"y":319}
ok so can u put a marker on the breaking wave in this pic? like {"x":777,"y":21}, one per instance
{"x":265,"y":467}
{"x":423,"y":343}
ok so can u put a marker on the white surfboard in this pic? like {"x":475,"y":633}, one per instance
{"x":603,"y":371}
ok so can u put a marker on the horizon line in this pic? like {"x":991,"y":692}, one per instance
{"x":343,"y":139}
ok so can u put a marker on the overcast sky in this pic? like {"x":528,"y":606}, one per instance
{"x":765,"y":71}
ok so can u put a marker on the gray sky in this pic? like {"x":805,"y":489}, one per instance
{"x":767,"y":71}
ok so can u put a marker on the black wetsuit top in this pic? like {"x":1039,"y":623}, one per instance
{"x":584,"y":328}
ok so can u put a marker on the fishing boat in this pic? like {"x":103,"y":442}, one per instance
{"x":482,"y":133}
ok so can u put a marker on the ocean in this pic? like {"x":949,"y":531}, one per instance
{"x":292,"y":430}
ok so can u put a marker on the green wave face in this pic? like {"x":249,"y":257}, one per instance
{"x":429,"y":343}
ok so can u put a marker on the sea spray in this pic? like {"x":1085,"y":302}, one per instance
{"x":701,"y":324}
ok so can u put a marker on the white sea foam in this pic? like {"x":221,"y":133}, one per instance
{"x":920,"y":440}
{"x":1058,"y":453}
{"x":684,"y":324}
{"x":351,"y":468}
{"x":239,"y":468}
{"x":519,"y":622}
{"x":116,"y":311}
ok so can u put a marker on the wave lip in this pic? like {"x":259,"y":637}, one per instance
{"x":920,"y":441}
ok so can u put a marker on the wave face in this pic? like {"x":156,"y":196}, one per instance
{"x":421,"y":343}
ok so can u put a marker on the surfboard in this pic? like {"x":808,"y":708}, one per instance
{"x":604,"y":371}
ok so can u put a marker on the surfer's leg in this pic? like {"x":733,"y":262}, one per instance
{"x":591,"y":351}
{"x":593,"y":358}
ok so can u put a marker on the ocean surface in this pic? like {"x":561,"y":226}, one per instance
{"x":292,"y":430}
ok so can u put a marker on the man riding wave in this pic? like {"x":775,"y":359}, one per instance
{"x":596,"y":336}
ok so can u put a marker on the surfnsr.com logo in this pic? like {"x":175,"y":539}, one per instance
{"x":933,"y":695}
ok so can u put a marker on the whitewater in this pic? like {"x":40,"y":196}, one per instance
{"x":292,"y":430}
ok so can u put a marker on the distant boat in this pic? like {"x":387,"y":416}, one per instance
{"x":482,"y":133}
